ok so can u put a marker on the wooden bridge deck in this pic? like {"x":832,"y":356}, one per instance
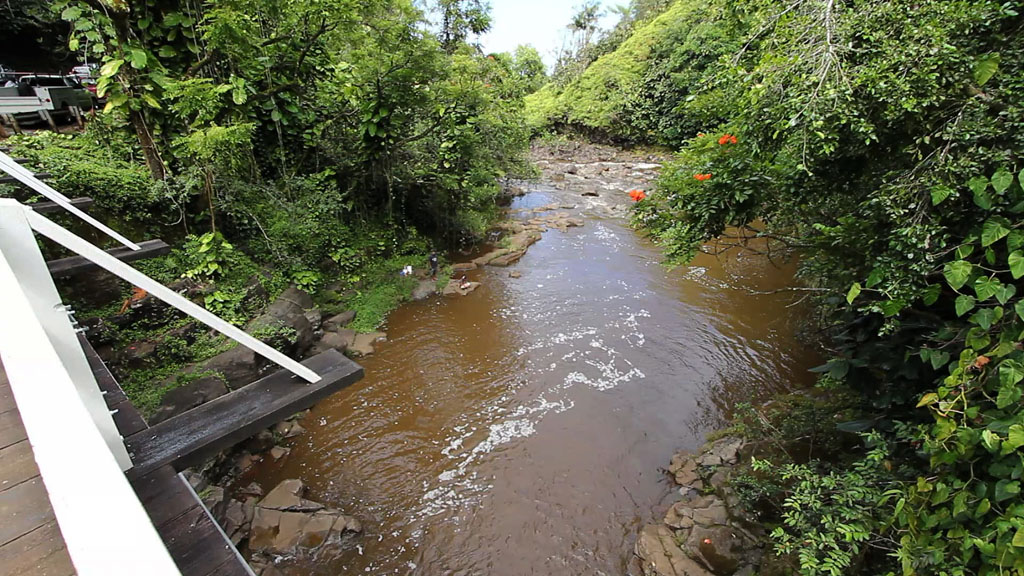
{"x":30,"y":540}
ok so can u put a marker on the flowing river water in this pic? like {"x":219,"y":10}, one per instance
{"x":521,"y":429}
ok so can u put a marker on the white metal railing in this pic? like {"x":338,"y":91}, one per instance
{"x":18,"y":172}
{"x":79,"y":451}
{"x":83,"y":477}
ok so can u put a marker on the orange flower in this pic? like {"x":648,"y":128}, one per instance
{"x":637,"y":195}
{"x":981,"y":361}
{"x":700,"y":134}
{"x":727,"y":139}
{"x":702,"y":177}
{"x":733,"y":140}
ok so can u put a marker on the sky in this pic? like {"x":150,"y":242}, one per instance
{"x":541,"y":23}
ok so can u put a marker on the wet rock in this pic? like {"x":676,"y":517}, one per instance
{"x":238,"y":366}
{"x":486,"y":258}
{"x":288,"y":429}
{"x":590,"y":193}
{"x":340,"y":341}
{"x":314,"y":318}
{"x":464,"y":267}
{"x":288,"y":497}
{"x":339,"y":321}
{"x":515,"y":274}
{"x":571,"y":169}
{"x":188,"y":396}
{"x":253,"y":489}
{"x":362,"y":344}
{"x":685,"y":470}
{"x":507,"y":259}
{"x":278,"y":452}
{"x":284,"y":325}
{"x":660,"y":556}
{"x":284,"y":521}
{"x":197,"y":481}
{"x":721,"y":548}
{"x":424,"y":290}
{"x":213,"y":498}
{"x":456,"y":288}
{"x":261,"y":442}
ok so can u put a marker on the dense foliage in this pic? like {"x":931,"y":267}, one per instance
{"x":883,"y":141}
{"x":321,"y":143}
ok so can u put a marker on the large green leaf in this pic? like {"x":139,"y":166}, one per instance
{"x":993,"y":230}
{"x":137,"y":57}
{"x":1005,"y":293}
{"x":1014,"y":240}
{"x":1015,"y":438}
{"x":1001,"y":181}
{"x":964,"y":304}
{"x":940,"y":193}
{"x":983,"y":318}
{"x":985,"y":68}
{"x":986,"y":287}
{"x":1010,"y":372}
{"x":853,"y":293}
{"x":957,"y":273}
{"x":1016,"y":262}
{"x":1006,"y":489}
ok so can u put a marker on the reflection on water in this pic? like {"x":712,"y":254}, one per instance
{"x":520,"y":430}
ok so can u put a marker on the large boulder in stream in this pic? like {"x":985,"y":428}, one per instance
{"x":284,"y":521}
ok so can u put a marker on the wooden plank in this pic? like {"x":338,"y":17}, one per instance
{"x":192,"y":437}
{"x":78,"y":264}
{"x":195,"y":543}
{"x":11,"y":429}
{"x":24,"y":508}
{"x":38,"y":553}
{"x":17,"y":464}
{"x":13,"y":180}
{"x":164,"y":495}
{"x":51,"y":207}
{"x":230,"y":567}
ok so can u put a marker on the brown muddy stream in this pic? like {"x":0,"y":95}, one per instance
{"x":520,"y":430}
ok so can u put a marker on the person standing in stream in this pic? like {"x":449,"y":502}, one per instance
{"x":433,"y":265}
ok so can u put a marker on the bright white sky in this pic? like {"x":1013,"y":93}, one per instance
{"x":540,"y":23}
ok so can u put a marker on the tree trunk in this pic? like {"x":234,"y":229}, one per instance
{"x":149,"y":150}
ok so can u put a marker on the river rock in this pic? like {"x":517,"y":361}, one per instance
{"x":288,"y":429}
{"x":188,"y":396}
{"x":238,"y":366}
{"x":424,"y":290}
{"x":660,"y":556}
{"x":284,"y":521}
{"x":515,"y":274}
{"x":721,"y":548}
{"x":339,"y":321}
{"x":288,"y":311}
{"x":340,"y":340}
{"x":362,"y":344}
{"x":314,"y":318}
{"x":278,"y":452}
{"x":508,"y":259}
{"x":455,"y":288}
{"x":486,"y":258}
{"x":464,"y":267}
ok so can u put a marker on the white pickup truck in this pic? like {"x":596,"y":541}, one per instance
{"x":33,"y":93}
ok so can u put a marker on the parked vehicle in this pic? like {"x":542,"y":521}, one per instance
{"x":36,"y":92}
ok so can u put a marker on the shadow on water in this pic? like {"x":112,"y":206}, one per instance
{"x":520,"y":430}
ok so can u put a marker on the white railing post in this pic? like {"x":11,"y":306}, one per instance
{"x":106,"y":530}
{"x":18,"y":246}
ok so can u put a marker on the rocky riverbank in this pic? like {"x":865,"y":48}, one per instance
{"x":706,"y":533}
